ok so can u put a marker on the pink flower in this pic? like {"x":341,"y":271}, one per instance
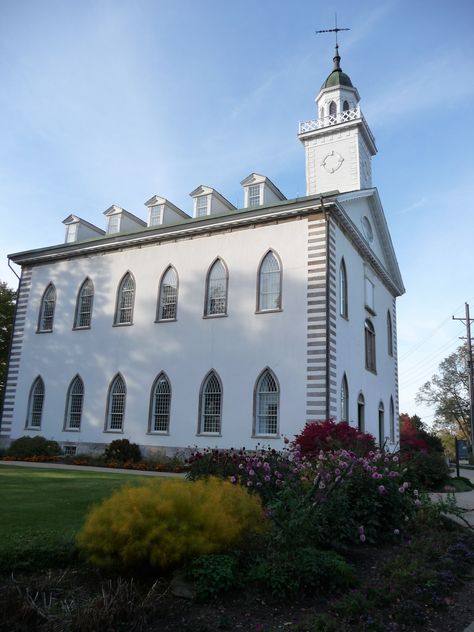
{"x":401,"y":490}
{"x":267,"y":478}
{"x":396,"y":532}
{"x":251,"y":472}
{"x":362,"y":537}
{"x":417,"y":502}
{"x":381,"y":489}
{"x":233,"y":479}
{"x":361,"y":530}
{"x":249,"y":483}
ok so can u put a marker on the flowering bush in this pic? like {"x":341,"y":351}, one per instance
{"x":329,"y":435}
{"x":422,"y":453}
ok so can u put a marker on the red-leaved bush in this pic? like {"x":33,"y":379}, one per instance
{"x":330,"y":435}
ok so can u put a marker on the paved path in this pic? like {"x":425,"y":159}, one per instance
{"x":465,"y":500}
{"x":90,"y":468}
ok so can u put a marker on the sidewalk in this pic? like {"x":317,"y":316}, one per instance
{"x":90,"y":468}
{"x":464,"y":500}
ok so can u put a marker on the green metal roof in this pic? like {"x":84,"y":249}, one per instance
{"x":337,"y":77}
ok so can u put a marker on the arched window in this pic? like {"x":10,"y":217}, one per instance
{"x":210,"y":409}
{"x":116,"y":404}
{"x":389,"y":335}
{"x":48,"y":303}
{"x":35,"y":404}
{"x":74,"y":401}
{"x":392,"y":421}
{"x":160,"y":404}
{"x":216,"y":290}
{"x":168,"y":295}
{"x":361,"y":413}
{"x":381,"y":424}
{"x":269,"y":283}
{"x":267,"y":404}
{"x":343,"y":306}
{"x":85,"y":298}
{"x":321,"y":112}
{"x":345,"y":106}
{"x":344,"y":399}
{"x":332,"y":108}
{"x":125,"y":301}
{"x":370,"y":346}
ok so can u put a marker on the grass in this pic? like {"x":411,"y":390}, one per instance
{"x":42,"y":510}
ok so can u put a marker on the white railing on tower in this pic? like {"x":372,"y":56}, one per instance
{"x":334,"y":119}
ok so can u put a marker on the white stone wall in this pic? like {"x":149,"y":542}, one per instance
{"x":238,"y":346}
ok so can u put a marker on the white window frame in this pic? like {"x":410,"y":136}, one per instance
{"x":392,"y":420}
{"x":266,"y":278}
{"x":202,"y":205}
{"x":160,"y":406}
{"x":369,"y":294}
{"x":35,"y":405}
{"x":155,"y":215}
{"x":344,"y":401}
{"x":215,"y":304}
{"x":210,"y":401}
{"x":168,"y":299}
{"x":74,"y":404}
{"x":116,"y":403}
{"x":254,"y":195}
{"x":381,"y":424}
{"x":122,"y":306}
{"x":84,"y":305}
{"x":47,"y":309}
{"x":113,"y":224}
{"x":266,"y":424}
{"x":370,"y":346}
{"x":343,"y":290}
{"x":389,"y":334}
{"x":361,"y":412}
{"x":71,"y":232}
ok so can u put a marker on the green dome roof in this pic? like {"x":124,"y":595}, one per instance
{"x":337,"y":77}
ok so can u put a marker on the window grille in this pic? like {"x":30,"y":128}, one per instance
{"x":392,"y":421}
{"x":361,"y":413}
{"x":344,"y":400}
{"x":48,"y":304}
{"x":161,"y":402}
{"x":84,"y":305}
{"x":116,"y":404}
{"x":269,"y":282}
{"x":389,"y":335}
{"x":381,"y":424}
{"x":254,"y":195}
{"x":35,"y":405}
{"x":201,"y":206}
{"x":216,"y":295}
{"x":343,"y":307}
{"x":155,"y":215}
{"x":369,"y":346}
{"x":168,"y":295}
{"x":114,"y":224}
{"x":125,"y":301}
{"x":70,"y":450}
{"x":267,"y":405}
{"x":74,"y":403}
{"x":211,"y":405}
{"x":71,"y":232}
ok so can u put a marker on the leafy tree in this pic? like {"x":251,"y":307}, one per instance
{"x":448,"y":392}
{"x":7,"y":311}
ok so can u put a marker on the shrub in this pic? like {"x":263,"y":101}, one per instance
{"x":33,"y":446}
{"x":426,"y":470}
{"x":122,"y":451}
{"x":329,"y":435}
{"x":165,"y":523}
{"x":213,"y":574}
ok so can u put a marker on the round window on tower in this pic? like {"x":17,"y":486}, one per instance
{"x":367,"y":228}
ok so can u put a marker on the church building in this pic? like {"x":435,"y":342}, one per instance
{"x":229,"y":328}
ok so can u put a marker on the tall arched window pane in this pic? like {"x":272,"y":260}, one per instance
{"x":216,"y":291}
{"x":160,"y":404}
{"x":125,"y":301}
{"x":269,"y":283}
{"x":116,"y":404}
{"x":345,"y":106}
{"x":361,"y":413}
{"x":369,"y":346}
{"x":392,"y":421}
{"x":35,"y":404}
{"x":75,"y":398}
{"x":211,"y":405}
{"x":168,"y":295}
{"x":389,"y":334}
{"x":267,"y":404}
{"x":332,"y":109}
{"x":344,"y":400}
{"x":343,"y":307}
{"x":381,"y":424}
{"x":48,"y":304}
{"x":84,"y":305}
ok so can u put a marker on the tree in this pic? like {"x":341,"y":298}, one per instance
{"x":7,"y":311}
{"x":448,"y":392}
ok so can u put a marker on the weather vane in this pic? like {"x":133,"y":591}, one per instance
{"x":335,"y":30}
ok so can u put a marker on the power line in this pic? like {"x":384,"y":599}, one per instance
{"x":432,"y":360}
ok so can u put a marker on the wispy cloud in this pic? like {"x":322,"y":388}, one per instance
{"x":412,"y":207}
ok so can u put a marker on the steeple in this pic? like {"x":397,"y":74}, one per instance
{"x":338,"y":144}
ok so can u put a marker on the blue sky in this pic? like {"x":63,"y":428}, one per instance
{"x":114,"y":101}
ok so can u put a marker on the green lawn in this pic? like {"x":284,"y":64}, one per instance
{"x":41,"y":510}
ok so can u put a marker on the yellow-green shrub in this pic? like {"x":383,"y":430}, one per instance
{"x":165,"y":523}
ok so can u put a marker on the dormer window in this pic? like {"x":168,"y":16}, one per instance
{"x":71,"y":233}
{"x":202,"y":206}
{"x":155,"y":216}
{"x":254,"y":195}
{"x":113,"y":225}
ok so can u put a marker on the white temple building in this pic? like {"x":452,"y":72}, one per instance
{"x":229,"y":328}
